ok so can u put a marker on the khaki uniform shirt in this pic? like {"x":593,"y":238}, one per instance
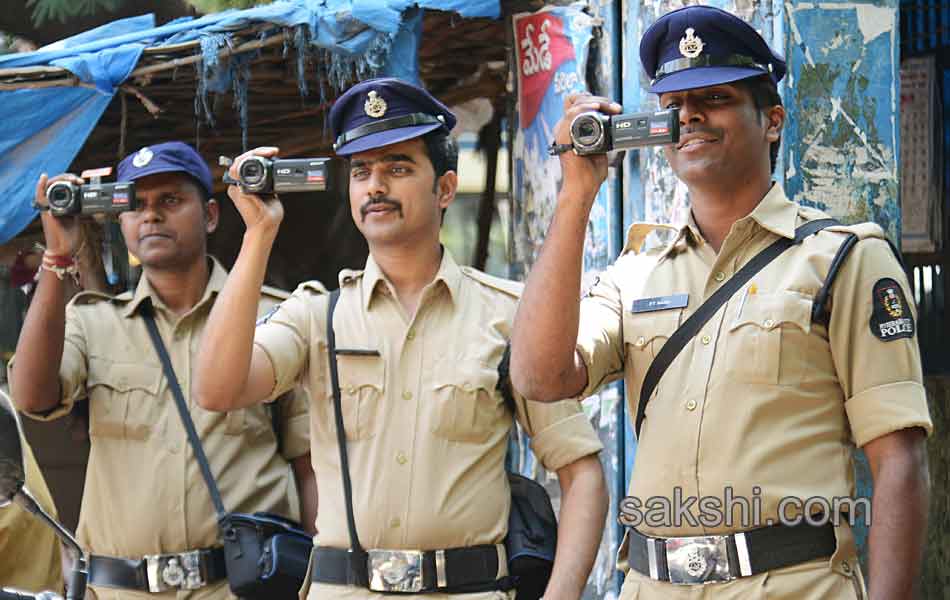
{"x":29,"y":550}
{"x":763,"y":401}
{"x":144,"y":493}
{"x":426,"y":427}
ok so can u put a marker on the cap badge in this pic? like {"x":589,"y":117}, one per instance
{"x":142,"y":157}
{"x":375,"y":106}
{"x":691,"y":45}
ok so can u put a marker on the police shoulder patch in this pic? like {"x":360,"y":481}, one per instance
{"x":891,"y":318}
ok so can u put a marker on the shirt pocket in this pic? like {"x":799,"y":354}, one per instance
{"x":362,"y":381}
{"x":123,"y":399}
{"x":468,"y":407}
{"x":644,"y":336}
{"x":769,"y":329}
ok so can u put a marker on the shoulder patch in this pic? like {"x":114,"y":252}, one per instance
{"x":92,"y":297}
{"x":276,"y":293}
{"x":891,"y":318}
{"x":512,"y":288}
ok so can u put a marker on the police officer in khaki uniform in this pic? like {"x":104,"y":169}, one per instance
{"x":765,"y":403}
{"x":29,"y":550}
{"x":420,"y":340}
{"x":144,"y":494}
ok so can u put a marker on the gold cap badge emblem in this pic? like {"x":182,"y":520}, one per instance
{"x":375,"y":106}
{"x":691,"y":45}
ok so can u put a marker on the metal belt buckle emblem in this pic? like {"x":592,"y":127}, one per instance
{"x":395,"y":570}
{"x":701,"y":559}
{"x":174,"y":571}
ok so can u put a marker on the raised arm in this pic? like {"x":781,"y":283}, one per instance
{"x":231,"y":372}
{"x":544,"y":364}
{"x":35,"y":382}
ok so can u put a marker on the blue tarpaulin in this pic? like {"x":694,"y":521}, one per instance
{"x":42,"y":130}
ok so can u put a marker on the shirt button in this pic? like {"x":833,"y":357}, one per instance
{"x":691,"y":405}
{"x":411,"y":335}
{"x":769,"y":323}
{"x":720,"y":276}
{"x":350,"y":390}
{"x":706,"y":339}
{"x":407,"y":395}
{"x":401,"y":458}
{"x":641,"y":341}
{"x":394,"y":522}
{"x":846,"y":568}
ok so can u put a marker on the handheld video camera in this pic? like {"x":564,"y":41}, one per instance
{"x":597,"y":133}
{"x":259,"y":175}
{"x":66,"y":198}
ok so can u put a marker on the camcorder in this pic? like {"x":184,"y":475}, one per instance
{"x":65,"y":198}
{"x":260,"y":175}
{"x":597,"y":133}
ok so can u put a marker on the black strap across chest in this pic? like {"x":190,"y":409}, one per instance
{"x":688,"y":330}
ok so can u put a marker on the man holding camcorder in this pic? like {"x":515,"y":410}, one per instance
{"x":147,"y":519}
{"x":419,"y":345}
{"x":758,"y":348}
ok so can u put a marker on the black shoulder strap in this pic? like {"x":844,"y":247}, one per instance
{"x":707,"y":309}
{"x":504,"y":380}
{"x":819,"y":309}
{"x":147,"y":314}
{"x":358,"y":554}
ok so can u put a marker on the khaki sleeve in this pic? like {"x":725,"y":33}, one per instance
{"x":284,"y":335}
{"x":72,"y":368}
{"x":600,"y":334}
{"x":295,"y":423}
{"x":560,"y":431}
{"x":873,"y":337}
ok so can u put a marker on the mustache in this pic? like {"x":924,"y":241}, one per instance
{"x":379,"y":201}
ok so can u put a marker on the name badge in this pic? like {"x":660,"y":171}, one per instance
{"x":660,"y":303}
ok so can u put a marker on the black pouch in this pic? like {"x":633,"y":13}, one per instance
{"x":266,"y":555}
{"x":532,"y":537}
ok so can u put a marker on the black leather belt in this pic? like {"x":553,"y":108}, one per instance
{"x":159,"y":572}
{"x":455,"y":570}
{"x":716,"y":558}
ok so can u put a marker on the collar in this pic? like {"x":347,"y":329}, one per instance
{"x":774,"y":212}
{"x":449,"y":274}
{"x":145,"y":290}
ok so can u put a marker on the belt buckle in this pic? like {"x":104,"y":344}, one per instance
{"x":699,"y":559}
{"x":174,"y":571}
{"x":395,"y":570}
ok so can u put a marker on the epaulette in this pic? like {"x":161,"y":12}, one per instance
{"x":638,"y":233}
{"x":862,"y":230}
{"x":512,"y":288}
{"x":314,"y":286}
{"x":92,"y":297}
{"x":349,"y":276}
{"x":275,"y":293}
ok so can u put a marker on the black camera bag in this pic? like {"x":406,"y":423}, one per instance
{"x":265,"y":555}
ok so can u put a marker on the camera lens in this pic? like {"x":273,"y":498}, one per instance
{"x":252,"y":172}
{"x":60,"y":195}
{"x":587,"y":130}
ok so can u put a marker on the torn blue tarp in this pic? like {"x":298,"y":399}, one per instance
{"x":42,"y":130}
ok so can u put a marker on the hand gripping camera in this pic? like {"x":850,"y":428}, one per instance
{"x":597,"y":133}
{"x":259,"y":175}
{"x":65,"y":198}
